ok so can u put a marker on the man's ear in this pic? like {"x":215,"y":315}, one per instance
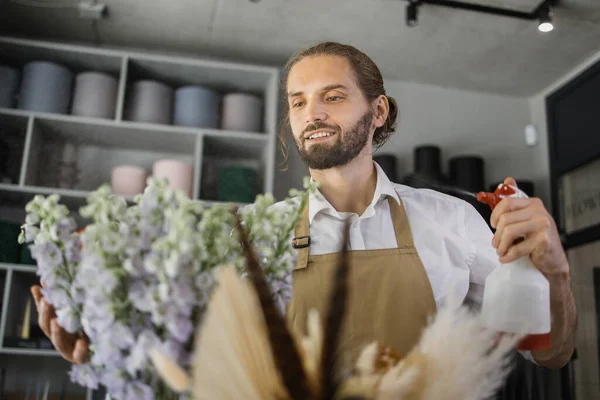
{"x":381,"y":108}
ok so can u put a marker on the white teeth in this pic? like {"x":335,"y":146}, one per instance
{"x":319,"y":135}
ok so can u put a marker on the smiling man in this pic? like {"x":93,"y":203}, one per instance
{"x":408,"y":247}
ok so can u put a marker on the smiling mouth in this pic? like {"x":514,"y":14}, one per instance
{"x":320,"y":135}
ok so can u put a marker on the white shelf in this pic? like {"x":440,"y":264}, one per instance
{"x":105,"y":143}
{"x":29,"y":352}
{"x":18,"y":267}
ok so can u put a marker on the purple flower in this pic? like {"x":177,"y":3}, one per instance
{"x":139,"y":353}
{"x":47,"y":255}
{"x":56,"y":296}
{"x":138,"y":391}
{"x":121,"y":335}
{"x":107,"y":353}
{"x":73,"y":249}
{"x":67,"y":319}
{"x":179,"y":326}
{"x":115,"y":380}
{"x":62,"y":229}
{"x":140,"y":296}
{"x":84,"y":375}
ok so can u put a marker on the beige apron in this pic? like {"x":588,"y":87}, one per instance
{"x":390,"y":297}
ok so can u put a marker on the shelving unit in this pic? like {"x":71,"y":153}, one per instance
{"x":35,"y":140}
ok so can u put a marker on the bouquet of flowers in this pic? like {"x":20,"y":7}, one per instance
{"x":139,"y":277}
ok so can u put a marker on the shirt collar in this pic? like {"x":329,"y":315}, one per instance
{"x":384,"y":187}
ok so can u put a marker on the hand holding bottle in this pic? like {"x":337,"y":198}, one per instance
{"x":525,"y":228}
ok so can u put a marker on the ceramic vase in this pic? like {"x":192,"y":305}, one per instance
{"x":95,"y":95}
{"x":45,"y":87}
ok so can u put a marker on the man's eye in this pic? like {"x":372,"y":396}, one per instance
{"x":334,"y":98}
{"x":297,"y":104}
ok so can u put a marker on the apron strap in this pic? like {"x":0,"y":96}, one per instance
{"x":301,"y":241}
{"x":404,"y":238}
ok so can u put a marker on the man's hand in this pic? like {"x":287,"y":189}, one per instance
{"x":525,"y":228}
{"x":526,"y":222}
{"x":71,"y":347}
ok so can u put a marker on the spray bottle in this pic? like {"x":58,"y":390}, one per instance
{"x":516,"y":298}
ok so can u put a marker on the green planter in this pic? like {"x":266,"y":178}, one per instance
{"x":237,"y":184}
{"x":9,"y":245}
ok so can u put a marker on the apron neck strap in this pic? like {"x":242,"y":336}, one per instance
{"x":404,"y":236}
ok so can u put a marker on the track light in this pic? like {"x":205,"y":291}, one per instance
{"x":545,"y":17}
{"x":412,"y":11}
{"x":542,"y":12}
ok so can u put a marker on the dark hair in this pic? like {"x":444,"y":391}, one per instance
{"x":368,"y":78}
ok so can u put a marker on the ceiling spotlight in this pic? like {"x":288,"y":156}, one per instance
{"x":412,"y":10}
{"x":545,"y":17}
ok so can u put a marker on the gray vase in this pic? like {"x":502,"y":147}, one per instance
{"x":242,"y":112}
{"x":9,"y":85}
{"x":150,"y":101}
{"x":196,"y":106}
{"x":95,"y":95}
{"x":46,"y":87}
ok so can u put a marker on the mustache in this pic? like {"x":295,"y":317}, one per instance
{"x":319,"y":125}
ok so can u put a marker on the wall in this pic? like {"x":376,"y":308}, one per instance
{"x":537,"y":105}
{"x":460,"y":122}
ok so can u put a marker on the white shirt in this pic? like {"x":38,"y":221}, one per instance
{"x":452,"y":239}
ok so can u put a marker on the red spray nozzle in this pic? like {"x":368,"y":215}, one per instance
{"x":492,"y":199}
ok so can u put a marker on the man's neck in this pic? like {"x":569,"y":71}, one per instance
{"x":349,"y":188}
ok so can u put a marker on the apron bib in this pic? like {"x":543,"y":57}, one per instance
{"x":390,"y":299}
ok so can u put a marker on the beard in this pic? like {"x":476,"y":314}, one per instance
{"x":345,"y":149}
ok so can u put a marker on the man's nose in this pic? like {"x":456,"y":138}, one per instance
{"x":315,"y":112}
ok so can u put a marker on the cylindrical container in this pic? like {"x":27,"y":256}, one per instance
{"x":128,"y":180}
{"x":427,"y":161}
{"x":46,"y":87}
{"x":242,"y":112}
{"x":237,"y":184}
{"x":95,"y":95}
{"x":467,"y":172}
{"x":387,"y":162}
{"x":196,"y":106}
{"x":9,"y":244}
{"x":179,"y":174}
{"x":9,"y":86}
{"x":150,"y":101}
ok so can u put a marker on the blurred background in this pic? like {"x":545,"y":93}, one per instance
{"x":118,"y":90}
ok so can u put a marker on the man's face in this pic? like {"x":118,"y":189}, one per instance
{"x":331,"y":120}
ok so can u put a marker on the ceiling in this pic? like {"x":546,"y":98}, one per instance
{"x":450,"y":48}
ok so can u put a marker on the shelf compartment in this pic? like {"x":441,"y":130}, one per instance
{"x":223,"y":78}
{"x":30,"y":372}
{"x":16,"y":53}
{"x":222,"y":151}
{"x":100,"y":146}
{"x":13,"y":133}
{"x":18,"y":299}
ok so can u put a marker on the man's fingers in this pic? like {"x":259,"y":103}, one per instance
{"x":525,"y":230}
{"x":45,"y":315}
{"x":81,"y":352}
{"x":517,"y":251}
{"x":62,"y":340}
{"x":36,"y":292}
{"x":509,"y":219}
{"x":507,"y":205}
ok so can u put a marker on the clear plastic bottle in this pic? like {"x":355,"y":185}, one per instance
{"x":516,"y":298}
